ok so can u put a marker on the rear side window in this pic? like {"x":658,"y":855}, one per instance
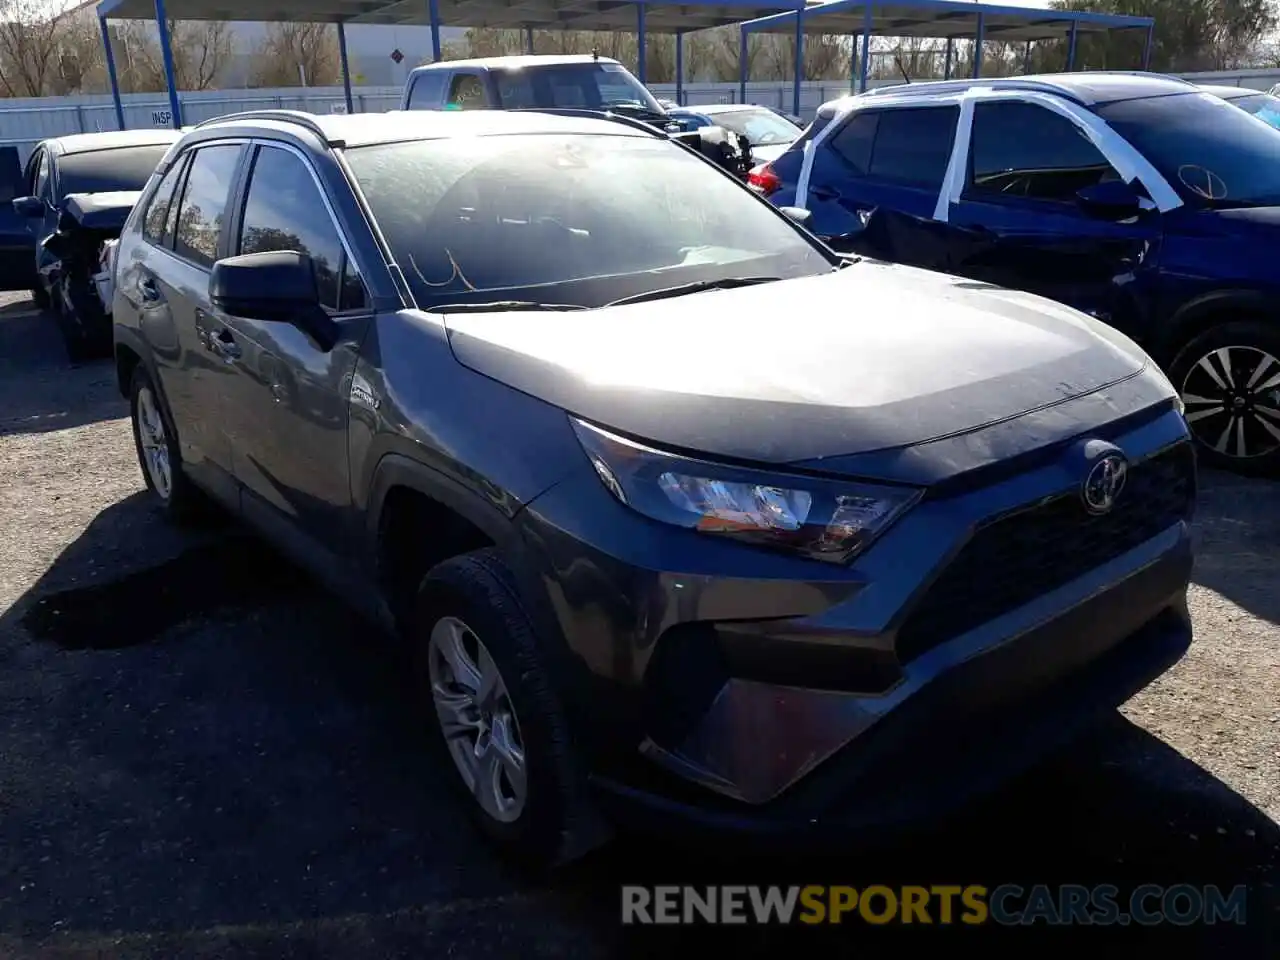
{"x":204,"y":203}
{"x":852,"y":143}
{"x":427,"y":91}
{"x":467,"y":92}
{"x":157,"y":224}
{"x":913,"y":146}
{"x":1026,"y":150}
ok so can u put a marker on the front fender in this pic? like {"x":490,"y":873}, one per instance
{"x":1201,"y":312}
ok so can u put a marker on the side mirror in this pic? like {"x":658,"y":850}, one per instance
{"x":278,"y":286}
{"x":29,"y":208}
{"x":1109,"y":200}
{"x":797,"y":215}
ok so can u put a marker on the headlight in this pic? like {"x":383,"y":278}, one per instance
{"x":817,"y":518}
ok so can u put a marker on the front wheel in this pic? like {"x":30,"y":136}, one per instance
{"x":497,"y":715}
{"x":1229,"y":379}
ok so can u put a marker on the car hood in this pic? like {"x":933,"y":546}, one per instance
{"x":101,"y":211}
{"x":870,"y":357}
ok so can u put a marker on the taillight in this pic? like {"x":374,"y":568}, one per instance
{"x":763,"y":180}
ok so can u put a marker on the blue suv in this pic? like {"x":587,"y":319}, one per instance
{"x":1139,"y":199}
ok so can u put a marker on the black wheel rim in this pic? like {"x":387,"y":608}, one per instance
{"x":1232,"y":396}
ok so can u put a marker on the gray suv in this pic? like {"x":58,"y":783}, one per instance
{"x":677,"y":512}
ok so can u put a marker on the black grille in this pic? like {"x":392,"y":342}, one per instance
{"x":1011,"y":560}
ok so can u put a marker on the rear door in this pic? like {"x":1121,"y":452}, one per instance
{"x":1026,"y":163}
{"x":892,"y":159}
{"x":165,"y":280}
{"x":17,"y":251}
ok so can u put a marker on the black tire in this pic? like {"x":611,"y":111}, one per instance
{"x":40,"y":298}
{"x":556,"y":823}
{"x":182,"y":502}
{"x":1221,"y":408}
{"x":84,"y":332}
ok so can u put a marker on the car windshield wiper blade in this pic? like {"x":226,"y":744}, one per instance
{"x":697,"y":286}
{"x":499,"y":306}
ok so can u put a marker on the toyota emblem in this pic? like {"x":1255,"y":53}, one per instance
{"x":1102,"y":486}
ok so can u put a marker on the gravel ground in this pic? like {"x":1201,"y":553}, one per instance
{"x":202,"y":755}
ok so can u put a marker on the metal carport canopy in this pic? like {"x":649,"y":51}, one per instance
{"x":948,"y":19}
{"x":644,"y":17}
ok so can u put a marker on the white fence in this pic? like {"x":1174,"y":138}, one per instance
{"x":27,"y":122}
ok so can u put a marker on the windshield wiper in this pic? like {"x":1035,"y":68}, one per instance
{"x":500,"y":306}
{"x":697,"y":286}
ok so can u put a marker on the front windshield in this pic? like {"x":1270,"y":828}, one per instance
{"x":761,"y":127}
{"x":1211,"y":152}
{"x":1262,"y":105}
{"x":573,"y":218}
{"x":106,"y":171}
{"x":587,"y":85}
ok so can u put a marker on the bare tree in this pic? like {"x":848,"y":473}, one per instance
{"x":201,"y":53}
{"x":30,"y":34}
{"x":294,"y":52}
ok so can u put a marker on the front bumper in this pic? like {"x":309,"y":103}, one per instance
{"x":972,"y":728}
{"x":740,"y":692}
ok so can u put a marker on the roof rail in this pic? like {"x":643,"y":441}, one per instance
{"x":298,"y":117}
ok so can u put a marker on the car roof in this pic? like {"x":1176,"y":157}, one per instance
{"x":513,"y":62}
{"x":393,"y":126}
{"x":112,"y":139}
{"x":1086,"y":88}
{"x":1230,"y":93}
{"x":710,"y":108}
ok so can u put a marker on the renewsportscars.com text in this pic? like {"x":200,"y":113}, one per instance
{"x":1008,"y":904}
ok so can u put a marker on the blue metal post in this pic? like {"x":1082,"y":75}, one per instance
{"x":111,"y":73}
{"x":1071,"y":47}
{"x":346,"y":67}
{"x":1146,"y":48}
{"x":799,"y":79}
{"x":528,"y":40}
{"x":946,"y":64}
{"x":977,"y":45}
{"x":742,"y":65}
{"x":680,"y":68}
{"x":166,"y":55}
{"x":853,"y":63}
{"x":642,"y":72}
{"x":1026,"y":59}
{"x":865,"y":69}
{"x":433,"y":12}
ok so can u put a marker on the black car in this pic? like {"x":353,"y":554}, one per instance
{"x":1137,"y":198}
{"x":667,"y":528}
{"x":102,"y":174}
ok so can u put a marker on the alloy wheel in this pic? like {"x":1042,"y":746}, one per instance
{"x":1232,"y":397}
{"x":477,"y":719}
{"x":155,"y":444}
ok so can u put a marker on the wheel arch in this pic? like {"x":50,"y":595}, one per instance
{"x":1205,"y":312}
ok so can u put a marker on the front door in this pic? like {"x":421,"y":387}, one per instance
{"x":1026,"y":164}
{"x":287,"y":405}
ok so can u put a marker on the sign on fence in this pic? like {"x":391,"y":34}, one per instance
{"x":162,"y":118}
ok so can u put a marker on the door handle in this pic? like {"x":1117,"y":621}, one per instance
{"x":224,"y":345}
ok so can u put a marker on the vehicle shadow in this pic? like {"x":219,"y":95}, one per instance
{"x":1238,"y":541}
{"x":40,"y":390}
{"x":206,"y":755}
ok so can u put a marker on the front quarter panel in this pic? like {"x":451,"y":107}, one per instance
{"x":411,"y":398}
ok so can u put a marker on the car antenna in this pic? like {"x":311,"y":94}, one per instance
{"x":902,"y":70}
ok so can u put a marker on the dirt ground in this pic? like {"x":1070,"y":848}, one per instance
{"x":203,"y":755}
